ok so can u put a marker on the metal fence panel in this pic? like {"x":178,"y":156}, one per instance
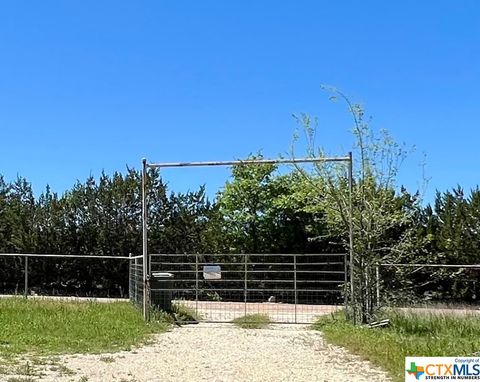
{"x":289,"y":288}
{"x":135,"y":281}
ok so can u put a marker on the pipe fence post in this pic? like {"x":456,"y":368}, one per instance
{"x":350,"y":221}
{"x":144,"y":242}
{"x":377,"y":277}
{"x":25,"y":292}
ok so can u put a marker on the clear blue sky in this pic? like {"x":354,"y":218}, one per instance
{"x":92,"y":85}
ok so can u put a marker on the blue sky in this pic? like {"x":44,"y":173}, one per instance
{"x":90,"y":85}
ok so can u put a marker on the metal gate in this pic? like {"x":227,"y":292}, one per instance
{"x":288,"y":288}
{"x":217,"y":293}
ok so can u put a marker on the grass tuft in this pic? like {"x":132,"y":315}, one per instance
{"x":185,"y":314}
{"x":409,"y":334}
{"x":252,"y":321}
{"x":179,"y":314}
{"x":107,"y":359}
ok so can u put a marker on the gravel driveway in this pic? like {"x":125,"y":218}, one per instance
{"x":222,"y":352}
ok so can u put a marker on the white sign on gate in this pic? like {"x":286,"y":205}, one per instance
{"x":212,"y":272}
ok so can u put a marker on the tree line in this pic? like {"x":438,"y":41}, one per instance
{"x":259,"y":210}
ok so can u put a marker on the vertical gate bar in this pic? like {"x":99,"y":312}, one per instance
{"x":130,"y":288}
{"x":345,"y":287}
{"x":245,"y":286}
{"x":295,"y":283}
{"x":25,"y":292}
{"x":135,"y":281}
{"x":144,"y":240}
{"x":196,"y":284}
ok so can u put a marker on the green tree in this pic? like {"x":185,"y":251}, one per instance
{"x":380,"y":216}
{"x":244,"y":204}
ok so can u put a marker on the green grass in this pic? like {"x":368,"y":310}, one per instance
{"x":252,"y":321}
{"x":42,"y":327}
{"x":409,"y":334}
{"x":185,"y":314}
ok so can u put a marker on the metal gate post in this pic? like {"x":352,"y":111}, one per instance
{"x":295,"y":283}
{"x":25,"y":292}
{"x":145,"y":241}
{"x":345,"y":286}
{"x":350,"y":221}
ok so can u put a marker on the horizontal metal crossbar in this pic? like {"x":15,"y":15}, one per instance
{"x":247,"y":162}
{"x":249,"y":254}
{"x":65,"y":256}
{"x":271,"y":322}
{"x":223,"y":281}
{"x":250,"y":290}
{"x":249,"y":264}
{"x":474,"y":266}
{"x":260,"y":271}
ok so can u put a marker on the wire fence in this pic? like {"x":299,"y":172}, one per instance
{"x":453,"y":288}
{"x":288,"y":288}
{"x":72,"y":275}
